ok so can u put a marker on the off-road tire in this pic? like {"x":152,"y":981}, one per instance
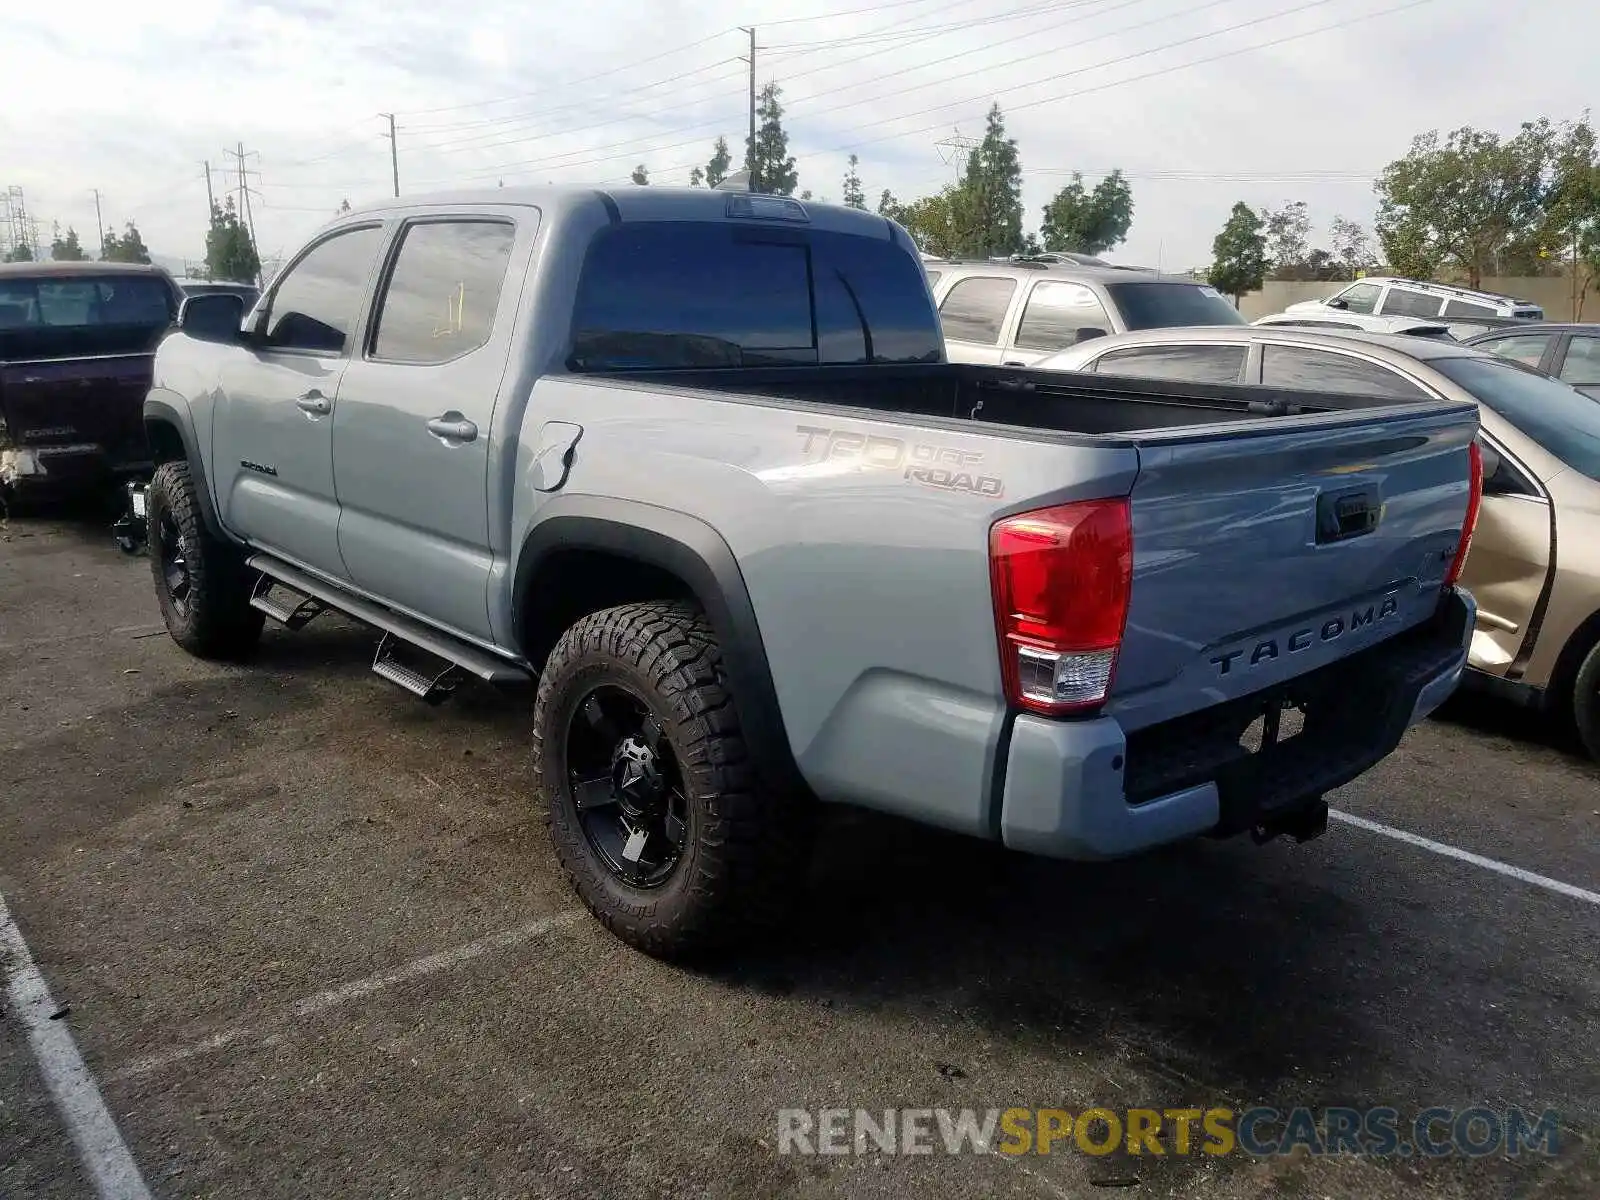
{"x":746,"y":850}
{"x":217,"y":620}
{"x":1586,"y":701}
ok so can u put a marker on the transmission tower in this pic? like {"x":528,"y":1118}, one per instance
{"x":16,"y":227}
{"x":955,"y":150}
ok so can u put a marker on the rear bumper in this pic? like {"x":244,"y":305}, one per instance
{"x":1086,"y":790}
{"x":38,"y":470}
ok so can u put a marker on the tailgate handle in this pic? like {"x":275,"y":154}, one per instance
{"x":1345,"y":515}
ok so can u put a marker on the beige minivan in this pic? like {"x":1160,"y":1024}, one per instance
{"x":1534,"y":565}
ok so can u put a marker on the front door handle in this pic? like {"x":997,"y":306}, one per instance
{"x":453,"y":427}
{"x":314,"y":403}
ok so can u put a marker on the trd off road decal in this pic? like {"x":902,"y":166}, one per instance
{"x":948,"y":468}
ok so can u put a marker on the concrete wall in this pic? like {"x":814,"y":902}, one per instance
{"x":1553,"y":294}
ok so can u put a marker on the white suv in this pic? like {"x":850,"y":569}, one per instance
{"x":1388,"y":297}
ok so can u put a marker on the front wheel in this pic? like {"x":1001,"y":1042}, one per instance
{"x":201,"y":581}
{"x":651,"y":796}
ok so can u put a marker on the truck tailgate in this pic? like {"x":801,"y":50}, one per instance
{"x":1266,"y":551}
{"x":97,"y":399}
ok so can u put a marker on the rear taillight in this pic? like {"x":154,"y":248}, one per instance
{"x":1474,"y":499}
{"x":1061,"y":582}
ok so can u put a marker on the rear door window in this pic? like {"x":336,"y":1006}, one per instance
{"x":975,"y":309}
{"x":1197,"y":364}
{"x":1463,"y":308}
{"x":657,"y":295}
{"x":1582,"y":365}
{"x":441,"y":296}
{"x":1056,"y":313}
{"x":1527,"y":349}
{"x":1304,"y":369}
{"x":1404,"y":302}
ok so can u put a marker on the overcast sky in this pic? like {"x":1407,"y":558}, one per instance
{"x":1302,"y":99}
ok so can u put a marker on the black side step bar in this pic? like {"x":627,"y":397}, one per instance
{"x":469,"y":658}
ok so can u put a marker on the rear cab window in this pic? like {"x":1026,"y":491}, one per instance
{"x":662,"y":295}
{"x":78,"y":302}
{"x":1164,"y":304}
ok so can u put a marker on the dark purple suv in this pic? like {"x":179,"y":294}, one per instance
{"x":77,"y":346}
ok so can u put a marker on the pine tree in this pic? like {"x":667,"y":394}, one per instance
{"x":769,"y":162}
{"x":721,"y":160}
{"x":988,"y":203}
{"x":640,"y":176}
{"x":67,"y":249}
{"x":129,"y":247}
{"x":697,"y":177}
{"x":230,"y":254}
{"x":854,"y":197}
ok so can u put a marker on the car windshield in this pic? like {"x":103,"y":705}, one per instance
{"x":1164,"y":305}
{"x":1561,"y":419}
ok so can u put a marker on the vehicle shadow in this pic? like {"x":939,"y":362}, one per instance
{"x":1481,"y":713}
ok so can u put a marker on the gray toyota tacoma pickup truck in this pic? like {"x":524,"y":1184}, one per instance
{"x":694,"y":464}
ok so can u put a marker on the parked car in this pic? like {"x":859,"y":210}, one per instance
{"x":1015,"y":313}
{"x":1388,"y":296}
{"x":77,"y":341}
{"x":1359,"y":322}
{"x":1534,"y":567}
{"x":1570,"y":353}
{"x":695,"y":462}
{"x":249,"y":293}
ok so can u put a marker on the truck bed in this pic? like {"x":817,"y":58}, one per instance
{"x":1068,"y":402}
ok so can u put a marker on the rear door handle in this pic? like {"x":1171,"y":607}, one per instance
{"x":453,"y":427}
{"x":314,"y":403}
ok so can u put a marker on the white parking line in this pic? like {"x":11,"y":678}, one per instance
{"x":333,"y":997}
{"x":105,"y":1155}
{"x":1466,"y":856}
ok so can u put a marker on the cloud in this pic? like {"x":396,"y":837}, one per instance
{"x":1304,"y":99}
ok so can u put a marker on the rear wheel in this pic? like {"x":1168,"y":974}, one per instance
{"x":201,"y":581}
{"x":1586,"y":701}
{"x":651,"y":796}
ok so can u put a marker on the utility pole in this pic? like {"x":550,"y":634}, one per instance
{"x":244,"y":200}
{"x":394,"y":152}
{"x":211,"y":200}
{"x":750,"y":155}
{"x":100,"y":223}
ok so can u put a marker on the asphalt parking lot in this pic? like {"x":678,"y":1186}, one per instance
{"x":309,"y":939}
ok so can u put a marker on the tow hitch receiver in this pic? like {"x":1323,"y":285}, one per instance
{"x":1304,"y":823}
{"x":131,"y":528}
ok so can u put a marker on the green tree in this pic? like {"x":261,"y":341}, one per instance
{"x":1239,"y":254}
{"x":1463,"y":201}
{"x":1087,"y":222}
{"x":697,"y":177}
{"x":888,"y":206}
{"x":1352,"y":249}
{"x":230,"y":252}
{"x":66,"y":249}
{"x":21,"y":252}
{"x":344,"y":205}
{"x":854,"y":197}
{"x":721,"y":160}
{"x":1571,"y":228}
{"x":986,"y":207}
{"x":640,"y":176}
{"x":128,"y":248}
{"x":768,"y":160}
{"x":1288,"y":231}
{"x":935,"y":222}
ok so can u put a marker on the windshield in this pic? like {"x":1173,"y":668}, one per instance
{"x":1163,"y":305}
{"x":1561,"y":419}
{"x":79,"y":302}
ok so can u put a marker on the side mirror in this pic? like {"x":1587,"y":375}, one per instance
{"x":213,"y":318}
{"x":1089,"y":333}
{"x":1336,"y":302}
